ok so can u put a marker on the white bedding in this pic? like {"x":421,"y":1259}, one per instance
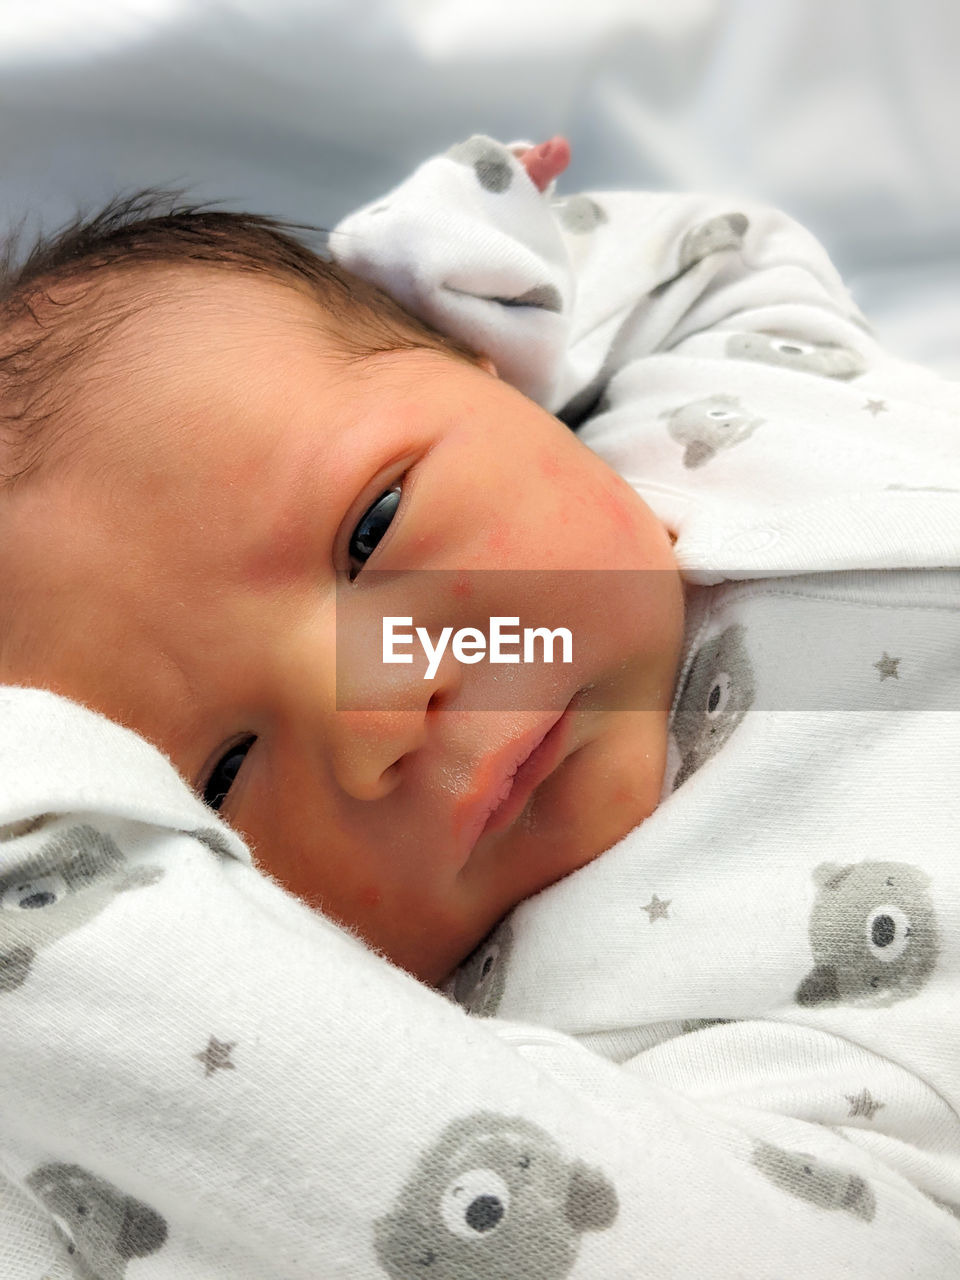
{"x":843,"y":114}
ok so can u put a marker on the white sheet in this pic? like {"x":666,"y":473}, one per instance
{"x":843,"y":114}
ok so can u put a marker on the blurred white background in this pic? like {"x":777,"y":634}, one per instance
{"x":843,"y":112}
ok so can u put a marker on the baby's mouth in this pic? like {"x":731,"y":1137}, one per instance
{"x":505,"y":781}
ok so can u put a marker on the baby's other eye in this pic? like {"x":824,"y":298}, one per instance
{"x":225,"y":772}
{"x":371,"y":528}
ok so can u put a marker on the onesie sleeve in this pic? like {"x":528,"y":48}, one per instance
{"x":201,"y":1077}
{"x":562,"y":292}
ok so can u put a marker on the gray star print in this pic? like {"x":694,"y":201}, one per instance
{"x":887,"y":666}
{"x":656,"y":909}
{"x":863,"y":1103}
{"x":876,"y":406}
{"x":216,"y":1056}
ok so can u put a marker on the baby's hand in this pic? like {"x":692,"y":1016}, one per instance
{"x":545,"y":161}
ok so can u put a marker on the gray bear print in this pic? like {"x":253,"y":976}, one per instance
{"x":214,"y":840}
{"x":492,"y":163}
{"x":579,"y":214}
{"x":60,"y":888}
{"x":101,"y":1228}
{"x":809,"y":1178}
{"x":493,"y":1197}
{"x":479,"y":982}
{"x":873,"y":934}
{"x":828,"y":359}
{"x":546,"y":297}
{"x":705,"y":426}
{"x":726,"y":231}
{"x":717,"y":693}
{"x":687,"y":1025}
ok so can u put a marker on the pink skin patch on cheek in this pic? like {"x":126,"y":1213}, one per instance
{"x":550,"y":468}
{"x":623,"y":511}
{"x":369,"y":896}
{"x":617,"y":501}
{"x":496,"y":542}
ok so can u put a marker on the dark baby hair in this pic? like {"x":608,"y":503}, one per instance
{"x":56,"y":306}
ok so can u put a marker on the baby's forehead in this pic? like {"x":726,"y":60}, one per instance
{"x":193,"y":320}
{"x":151,"y":350}
{"x":162,"y":300}
{"x":143,"y":347}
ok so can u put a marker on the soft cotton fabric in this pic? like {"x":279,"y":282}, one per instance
{"x":729,"y":1046}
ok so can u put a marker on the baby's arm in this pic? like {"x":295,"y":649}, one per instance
{"x":201,"y":1077}
{"x":563,"y":293}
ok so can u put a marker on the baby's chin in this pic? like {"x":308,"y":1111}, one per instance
{"x":604,"y":789}
{"x":614,"y":785}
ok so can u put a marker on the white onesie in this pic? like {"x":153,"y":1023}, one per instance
{"x":730,"y":1046}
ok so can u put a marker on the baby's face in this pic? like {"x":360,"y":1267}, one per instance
{"x":183,"y":580}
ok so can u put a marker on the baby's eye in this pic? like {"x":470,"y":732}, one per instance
{"x":43,"y":891}
{"x":225,"y":772}
{"x":371,"y":528}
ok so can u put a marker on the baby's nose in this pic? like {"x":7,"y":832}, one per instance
{"x":368,"y":749}
{"x":385,"y":712}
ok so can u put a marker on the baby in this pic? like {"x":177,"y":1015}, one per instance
{"x":204,"y":428}
{"x":656,"y":421}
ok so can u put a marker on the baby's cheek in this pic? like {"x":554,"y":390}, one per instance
{"x":495,"y":543}
{"x":612,"y":520}
{"x":623,"y":512}
{"x":638,"y":539}
{"x":550,"y":467}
